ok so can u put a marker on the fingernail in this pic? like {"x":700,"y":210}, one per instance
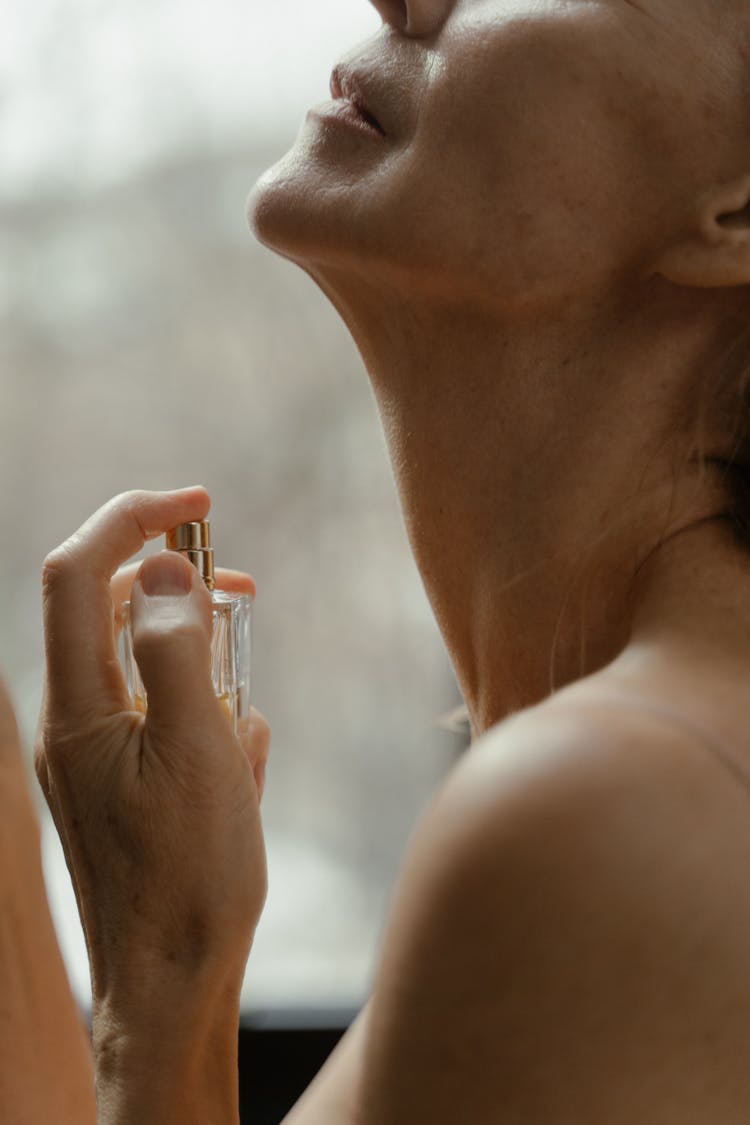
{"x":165,"y":575}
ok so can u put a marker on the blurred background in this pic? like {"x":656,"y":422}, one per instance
{"x":147,"y":341}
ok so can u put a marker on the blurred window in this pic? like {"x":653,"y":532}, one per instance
{"x":147,"y":341}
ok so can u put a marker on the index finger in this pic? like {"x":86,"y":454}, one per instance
{"x":83,"y":673}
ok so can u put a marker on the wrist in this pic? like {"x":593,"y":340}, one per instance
{"x":174,"y":1060}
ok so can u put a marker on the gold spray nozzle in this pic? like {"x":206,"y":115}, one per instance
{"x":193,"y":540}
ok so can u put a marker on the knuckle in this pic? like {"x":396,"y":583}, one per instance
{"x":132,"y":505}
{"x":54,"y":742}
{"x":41,"y":763}
{"x":58,"y":567}
{"x":127,"y":506}
{"x":127,"y":501}
{"x":40,"y":766}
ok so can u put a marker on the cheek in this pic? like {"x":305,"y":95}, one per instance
{"x":520,"y":176}
{"x":499,"y":210}
{"x":531,"y":172}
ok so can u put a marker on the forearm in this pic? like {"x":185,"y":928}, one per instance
{"x":169,"y":1059}
{"x":46,"y":1071}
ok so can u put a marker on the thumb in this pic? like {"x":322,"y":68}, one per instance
{"x":172,"y":625}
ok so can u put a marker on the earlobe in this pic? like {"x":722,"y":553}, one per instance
{"x":715,"y":252}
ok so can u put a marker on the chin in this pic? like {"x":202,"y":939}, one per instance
{"x":329,"y":214}
{"x":274,"y":213}
{"x":322,"y":203}
{"x":293,"y":210}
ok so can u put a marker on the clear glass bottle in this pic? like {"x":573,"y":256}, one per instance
{"x":231,"y":642}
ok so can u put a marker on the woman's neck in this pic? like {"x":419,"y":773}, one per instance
{"x":534,"y":478}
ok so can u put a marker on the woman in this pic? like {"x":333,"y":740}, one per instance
{"x":535,"y":220}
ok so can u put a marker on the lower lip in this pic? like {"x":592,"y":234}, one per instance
{"x":345,"y":113}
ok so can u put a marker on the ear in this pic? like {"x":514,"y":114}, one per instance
{"x":715,"y":253}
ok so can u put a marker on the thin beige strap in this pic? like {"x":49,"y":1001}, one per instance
{"x":736,"y":767}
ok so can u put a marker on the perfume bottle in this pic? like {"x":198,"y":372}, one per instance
{"x":231,"y":641}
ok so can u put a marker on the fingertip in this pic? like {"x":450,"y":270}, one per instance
{"x":172,"y":507}
{"x":190,"y":488}
{"x":168,"y":590}
{"x":236,"y":581}
{"x":186,"y":488}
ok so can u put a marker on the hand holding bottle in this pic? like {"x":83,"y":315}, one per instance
{"x":158,"y":813}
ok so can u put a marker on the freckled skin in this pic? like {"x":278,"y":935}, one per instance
{"x":523,"y":132}
{"x":544,"y":265}
{"x":534,"y":265}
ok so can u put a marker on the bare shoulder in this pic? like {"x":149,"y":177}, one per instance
{"x":568,"y":940}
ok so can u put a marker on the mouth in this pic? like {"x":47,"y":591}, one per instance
{"x":347,"y":88}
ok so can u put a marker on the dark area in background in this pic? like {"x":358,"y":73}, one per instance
{"x":278,"y":1058}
